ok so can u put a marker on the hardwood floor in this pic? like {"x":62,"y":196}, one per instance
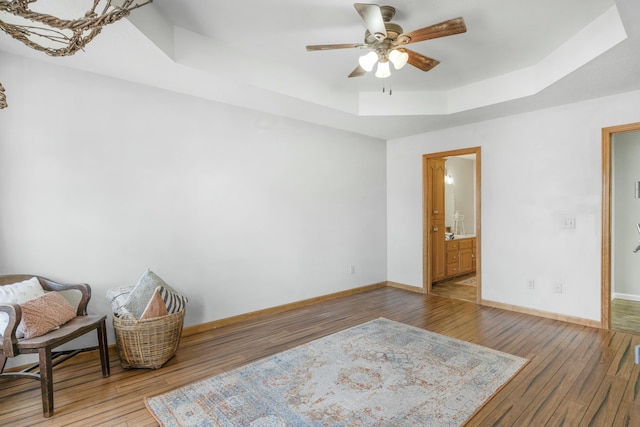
{"x":452,"y":289}
{"x":625,"y":315}
{"x":577,"y":375}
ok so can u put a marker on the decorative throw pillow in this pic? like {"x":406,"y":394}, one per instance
{"x":17,"y":293}
{"x":44,"y":314}
{"x":118,"y":296}
{"x":172,"y":300}
{"x":142,"y":293}
{"x":156,"y":306}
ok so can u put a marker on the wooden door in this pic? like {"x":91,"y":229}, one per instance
{"x":436,"y":206}
{"x":437,"y":189}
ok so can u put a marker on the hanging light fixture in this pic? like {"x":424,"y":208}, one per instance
{"x":396,"y":57}
{"x":35,"y":23}
{"x":448,"y":179}
{"x":43,"y":31}
{"x":3,"y":98}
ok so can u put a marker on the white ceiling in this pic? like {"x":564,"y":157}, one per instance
{"x":516,"y":56}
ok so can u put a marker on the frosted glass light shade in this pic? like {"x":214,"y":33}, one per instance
{"x":398,"y":59}
{"x":368,"y":61}
{"x":383,"y":70}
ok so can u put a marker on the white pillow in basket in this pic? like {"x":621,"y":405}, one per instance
{"x":118,"y":296}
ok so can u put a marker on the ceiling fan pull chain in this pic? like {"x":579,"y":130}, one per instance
{"x":384,"y":84}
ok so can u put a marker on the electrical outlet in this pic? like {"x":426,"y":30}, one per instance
{"x":531,"y":284}
{"x":569,"y":223}
{"x":557,"y":288}
{"x":353,"y":269}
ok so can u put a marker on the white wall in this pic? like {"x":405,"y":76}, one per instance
{"x":537,"y":169}
{"x":626,"y":214}
{"x":238,"y":210}
{"x":100,"y":179}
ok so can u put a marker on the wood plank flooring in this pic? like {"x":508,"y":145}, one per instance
{"x":577,"y":375}
{"x":452,"y":289}
{"x":625,"y":315}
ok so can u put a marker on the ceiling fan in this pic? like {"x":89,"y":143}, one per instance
{"x":385,"y":40}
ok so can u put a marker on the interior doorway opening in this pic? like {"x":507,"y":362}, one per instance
{"x":620,"y":299}
{"x":452,"y":226}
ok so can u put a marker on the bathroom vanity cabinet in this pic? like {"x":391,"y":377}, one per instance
{"x":460,"y":256}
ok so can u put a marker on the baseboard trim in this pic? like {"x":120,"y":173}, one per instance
{"x":405,"y":287}
{"x":628,"y":297}
{"x":203,"y":327}
{"x":545,"y":314}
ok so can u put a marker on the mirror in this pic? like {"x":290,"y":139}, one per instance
{"x":459,"y":195}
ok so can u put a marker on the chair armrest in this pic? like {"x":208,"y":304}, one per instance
{"x":9,"y":340}
{"x":84,"y":289}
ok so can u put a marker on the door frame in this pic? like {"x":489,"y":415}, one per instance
{"x":607,"y":170}
{"x":426,"y":218}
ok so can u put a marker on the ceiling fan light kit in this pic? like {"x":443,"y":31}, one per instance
{"x":368,"y":61}
{"x":383,"y":70}
{"x":385,"y":40}
{"x":41,"y":30}
{"x":398,"y":59}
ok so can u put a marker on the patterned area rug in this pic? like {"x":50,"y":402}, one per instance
{"x":469,"y":282}
{"x":380,"y":373}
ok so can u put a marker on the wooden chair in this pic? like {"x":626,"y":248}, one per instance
{"x":43,"y":345}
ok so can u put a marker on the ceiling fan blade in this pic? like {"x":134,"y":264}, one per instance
{"x":358,"y":72}
{"x":420,"y":61}
{"x":372,"y":17}
{"x":334,"y":46}
{"x":446,"y":28}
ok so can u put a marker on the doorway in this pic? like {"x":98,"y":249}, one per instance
{"x":451,"y":253}
{"x":620,"y":234}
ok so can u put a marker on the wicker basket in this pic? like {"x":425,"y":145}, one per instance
{"x":147,"y":343}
